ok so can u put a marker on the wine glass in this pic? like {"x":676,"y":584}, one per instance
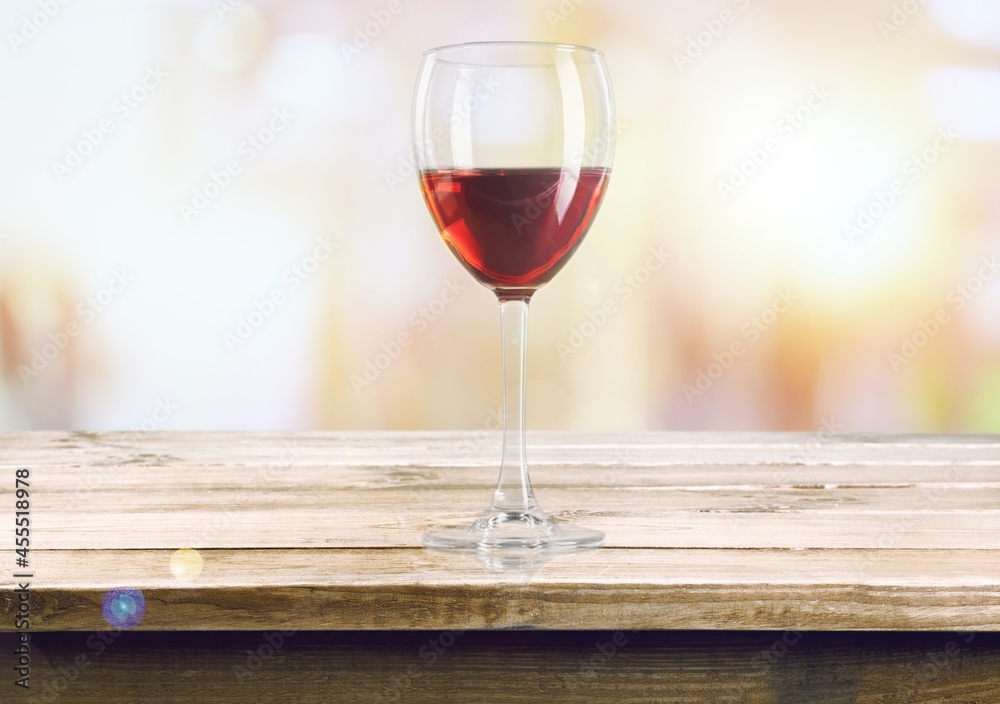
{"x":514,"y":143}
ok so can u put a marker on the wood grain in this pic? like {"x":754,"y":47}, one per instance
{"x":515,"y":668}
{"x":704,"y":531}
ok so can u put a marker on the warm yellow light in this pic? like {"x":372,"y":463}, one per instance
{"x":186,"y":564}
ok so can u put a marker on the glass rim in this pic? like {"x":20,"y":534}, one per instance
{"x":557,"y":46}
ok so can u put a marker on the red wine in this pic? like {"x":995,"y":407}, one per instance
{"x":513,"y":229}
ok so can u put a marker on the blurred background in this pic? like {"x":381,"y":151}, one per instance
{"x":209,"y":220}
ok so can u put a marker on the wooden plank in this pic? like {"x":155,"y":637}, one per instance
{"x":445,"y":449}
{"x":384,"y":525}
{"x":387,"y":477}
{"x":515,"y":668}
{"x":419,"y":589}
{"x":159,"y":494}
{"x":707,"y":531}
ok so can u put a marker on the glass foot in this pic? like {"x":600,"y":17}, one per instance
{"x":522,"y":530}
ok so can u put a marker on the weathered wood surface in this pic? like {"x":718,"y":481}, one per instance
{"x":513,"y":667}
{"x":704,"y":531}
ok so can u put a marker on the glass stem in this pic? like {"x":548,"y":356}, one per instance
{"x":513,"y":491}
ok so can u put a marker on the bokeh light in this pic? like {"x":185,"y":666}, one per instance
{"x":813,"y":218}
{"x":186,"y":564}
{"x":123,"y":609}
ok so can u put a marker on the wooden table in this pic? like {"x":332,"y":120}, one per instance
{"x":738,"y":568}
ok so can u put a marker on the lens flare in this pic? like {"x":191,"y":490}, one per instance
{"x":123,"y":608}
{"x":186,"y":564}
